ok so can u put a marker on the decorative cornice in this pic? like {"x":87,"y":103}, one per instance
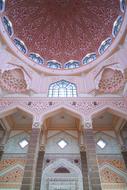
{"x":84,"y":107}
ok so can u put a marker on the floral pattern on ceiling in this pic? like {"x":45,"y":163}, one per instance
{"x":63,"y":30}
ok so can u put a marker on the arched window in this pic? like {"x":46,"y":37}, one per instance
{"x":62,"y":89}
{"x":89,"y":58}
{"x":72,"y":65}
{"x":36,"y":58}
{"x":53,"y":64}
{"x":20,"y":45}
{"x":8,"y":25}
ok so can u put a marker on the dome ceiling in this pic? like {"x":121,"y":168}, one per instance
{"x":63,"y":30}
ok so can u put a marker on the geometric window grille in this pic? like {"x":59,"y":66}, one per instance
{"x":8,"y":25}
{"x":101,"y":143}
{"x":122,"y":5}
{"x":23,"y":143}
{"x":117,"y":25}
{"x":20,"y":45}
{"x":104,"y":45}
{"x":2,"y":5}
{"x":89,"y":58}
{"x":62,"y":88}
{"x":53,"y":64}
{"x":72,"y":64}
{"x":36,"y":58}
{"x":62,"y":144}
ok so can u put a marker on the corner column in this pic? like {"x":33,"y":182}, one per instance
{"x":1,"y":151}
{"x":84,"y":168}
{"x":93,"y":171}
{"x":124,"y":154}
{"x":28,"y":182}
{"x":39,"y":169}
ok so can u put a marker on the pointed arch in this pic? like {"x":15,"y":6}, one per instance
{"x":67,"y":108}
{"x":75,"y":170}
{"x":10,"y":109}
{"x":111,"y":109}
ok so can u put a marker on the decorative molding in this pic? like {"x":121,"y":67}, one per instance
{"x":84,"y":107}
{"x":82,"y":148}
{"x":36,"y":125}
{"x":42,"y":148}
{"x":1,"y":148}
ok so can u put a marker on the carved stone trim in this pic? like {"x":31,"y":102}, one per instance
{"x":82,"y":148}
{"x":36,"y":125}
{"x":124,"y":148}
{"x":1,"y":148}
{"x":88,"y":123}
{"x":42,"y":148}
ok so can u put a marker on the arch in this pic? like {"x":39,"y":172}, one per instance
{"x":54,"y":110}
{"x":10,"y":109}
{"x":111,"y":109}
{"x":66,"y":164}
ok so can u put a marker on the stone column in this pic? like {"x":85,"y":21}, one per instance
{"x":1,"y":151}
{"x":28,"y":182}
{"x":39,"y":168}
{"x":124,"y":154}
{"x":4,"y":141}
{"x":93,"y":171}
{"x":84,"y":168}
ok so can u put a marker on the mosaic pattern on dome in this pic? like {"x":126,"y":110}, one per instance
{"x":64,"y":31}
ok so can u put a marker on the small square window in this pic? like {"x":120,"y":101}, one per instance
{"x":101,"y":143}
{"x":23,"y":143}
{"x":62,"y":144}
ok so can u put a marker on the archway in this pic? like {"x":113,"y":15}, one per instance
{"x":62,"y":175}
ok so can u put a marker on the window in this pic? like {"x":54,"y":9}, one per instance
{"x":53,"y":64}
{"x":20,"y":45}
{"x":117,"y":25}
{"x":36,"y":58}
{"x":104,"y":45}
{"x":62,"y":89}
{"x":101,"y":143}
{"x":71,"y":65}
{"x":2,"y":5}
{"x":122,"y":5}
{"x":8,"y":25}
{"x":23,"y":143}
{"x":89,"y":58}
{"x":62,"y":144}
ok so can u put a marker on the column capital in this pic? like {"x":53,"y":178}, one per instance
{"x":124,"y":148}
{"x":87,"y":123}
{"x":1,"y":147}
{"x":37,"y":122}
{"x":82,"y":148}
{"x":42,"y":148}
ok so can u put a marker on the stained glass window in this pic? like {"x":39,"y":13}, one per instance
{"x":71,"y":65}
{"x":20,"y":45}
{"x":104,"y":45}
{"x":89,"y":58}
{"x":62,"y":89}
{"x":116,"y":26}
{"x":36,"y":58}
{"x":8,"y":25}
{"x":2,"y":5}
{"x":53,"y":65}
